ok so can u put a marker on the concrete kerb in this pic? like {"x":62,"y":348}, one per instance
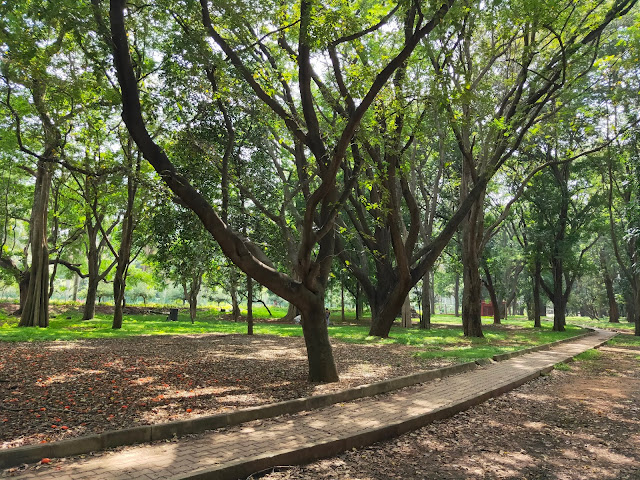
{"x":147,"y":433}
{"x":547,"y":346}
{"x":309,"y":452}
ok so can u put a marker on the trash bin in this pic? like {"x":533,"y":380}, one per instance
{"x":173,"y":314}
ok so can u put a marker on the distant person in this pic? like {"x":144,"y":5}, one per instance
{"x":327,"y":314}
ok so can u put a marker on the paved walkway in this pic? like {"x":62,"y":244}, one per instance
{"x":239,"y":451}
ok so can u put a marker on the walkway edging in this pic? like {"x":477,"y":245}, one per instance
{"x":310,"y":451}
{"x":163,"y":431}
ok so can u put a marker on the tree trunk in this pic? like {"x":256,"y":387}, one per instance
{"x":316,"y":336}
{"x":432,"y":293}
{"x":358,"y":301}
{"x":472,"y":231}
{"x":406,"y":313}
{"x":235,"y":307}
{"x":23,"y":286}
{"x":76,"y":285}
{"x":342,"y":297}
{"x":36,"y":307}
{"x":291,"y":313}
{"x":425,"y":318}
{"x":193,"y":307}
{"x":383,"y":315}
{"x":559,"y":305}
{"x":89,"y":309}
{"x":249,"y":305}
{"x":536,"y":294}
{"x":492,"y":294}
{"x":456,"y":295}
{"x":614,"y":313}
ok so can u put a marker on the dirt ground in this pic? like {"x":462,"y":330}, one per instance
{"x":55,"y":390}
{"x":583,"y":423}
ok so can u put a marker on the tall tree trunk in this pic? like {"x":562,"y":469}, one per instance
{"x":93,"y":263}
{"x":492,"y":294}
{"x":614,"y":313}
{"x":76,"y":285}
{"x":124,"y":251}
{"x":235,"y":306}
{"x":536,"y":278}
{"x":193,"y":296}
{"x":406,"y":313}
{"x":559,"y":304}
{"x":249,"y":305}
{"x":342,"y":296}
{"x":456,"y":295}
{"x":36,"y":307}
{"x":432,"y":293}
{"x":472,"y":231}
{"x":89,"y":310}
{"x":358,"y":301}
{"x":23,"y":286}
{"x":316,"y":336}
{"x":425,"y":318}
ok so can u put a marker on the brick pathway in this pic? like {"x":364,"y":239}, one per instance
{"x":239,"y":451}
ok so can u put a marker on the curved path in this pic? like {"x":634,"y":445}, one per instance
{"x":239,"y":451}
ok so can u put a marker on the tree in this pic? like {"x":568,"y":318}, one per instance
{"x":313,"y":264}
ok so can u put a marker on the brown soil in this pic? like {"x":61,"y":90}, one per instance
{"x":55,"y":390}
{"x":570,"y":425}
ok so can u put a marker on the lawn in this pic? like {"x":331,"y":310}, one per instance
{"x":444,"y":340}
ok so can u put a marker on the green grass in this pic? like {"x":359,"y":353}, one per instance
{"x":445,"y":340}
{"x":589,"y":355}
{"x":563,"y":367}
{"x":601,"y":323}
{"x":625,"y":341}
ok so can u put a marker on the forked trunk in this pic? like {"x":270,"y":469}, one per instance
{"x":383,"y":316}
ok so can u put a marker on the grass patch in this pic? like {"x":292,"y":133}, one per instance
{"x":624,"y":340}
{"x":589,"y":355}
{"x":563,"y":367}
{"x":444,"y":340}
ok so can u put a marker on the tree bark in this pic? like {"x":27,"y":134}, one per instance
{"x":36,"y":307}
{"x":76,"y":284}
{"x":488,"y":283}
{"x":358,"y":301}
{"x":472,"y":232}
{"x":406,"y":313}
{"x":536,"y":278}
{"x":316,"y":336}
{"x":614,"y":313}
{"x":93,"y":263}
{"x":456,"y":295}
{"x":425,"y":318}
{"x":249,"y":305}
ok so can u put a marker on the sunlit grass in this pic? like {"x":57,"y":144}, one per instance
{"x":444,"y":340}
